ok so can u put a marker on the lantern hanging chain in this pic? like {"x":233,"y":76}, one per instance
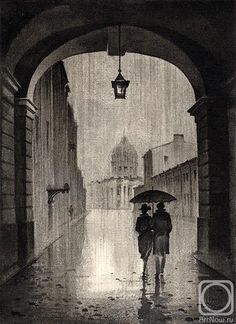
{"x":119,"y":49}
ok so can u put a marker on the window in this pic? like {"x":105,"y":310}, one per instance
{"x":129,"y":191}
{"x":118,"y":190}
{"x":165,"y":160}
{"x":186,"y":176}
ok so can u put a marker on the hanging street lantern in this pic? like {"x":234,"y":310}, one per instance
{"x":120,"y":84}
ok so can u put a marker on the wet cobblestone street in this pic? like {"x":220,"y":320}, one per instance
{"x":93,"y":275}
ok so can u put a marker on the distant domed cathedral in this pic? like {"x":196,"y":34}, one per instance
{"x":124,"y":160}
{"x":115,"y":192}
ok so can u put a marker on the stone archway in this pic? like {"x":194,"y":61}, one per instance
{"x":134,"y":40}
{"x":192,"y":51}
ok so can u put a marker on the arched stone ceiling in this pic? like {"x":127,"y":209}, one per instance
{"x":187,"y":26}
{"x":134,"y":40}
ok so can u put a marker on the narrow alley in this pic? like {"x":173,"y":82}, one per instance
{"x":92,"y":274}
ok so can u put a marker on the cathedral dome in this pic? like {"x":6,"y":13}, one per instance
{"x":124,"y":159}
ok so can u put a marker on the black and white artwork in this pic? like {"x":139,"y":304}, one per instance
{"x":118,"y":162}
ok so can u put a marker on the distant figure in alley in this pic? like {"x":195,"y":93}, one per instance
{"x":145,"y":239}
{"x":162,"y":226}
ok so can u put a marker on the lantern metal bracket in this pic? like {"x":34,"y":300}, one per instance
{"x":53,"y":192}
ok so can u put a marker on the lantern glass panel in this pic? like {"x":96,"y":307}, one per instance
{"x":120,"y":87}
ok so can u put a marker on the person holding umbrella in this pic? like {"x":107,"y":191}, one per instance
{"x":145,"y":238}
{"x":162,"y":226}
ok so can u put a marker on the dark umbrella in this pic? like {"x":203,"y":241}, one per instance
{"x":150,"y":196}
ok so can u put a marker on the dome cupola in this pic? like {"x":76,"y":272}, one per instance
{"x":124,"y":160}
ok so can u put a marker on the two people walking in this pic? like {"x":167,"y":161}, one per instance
{"x":154,"y":235}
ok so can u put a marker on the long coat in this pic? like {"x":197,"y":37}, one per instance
{"x":145,"y":239}
{"x":162,"y":226}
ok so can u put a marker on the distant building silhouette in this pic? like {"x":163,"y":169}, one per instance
{"x":124,"y":160}
{"x":116,"y":191}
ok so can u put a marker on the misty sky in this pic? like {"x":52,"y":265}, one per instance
{"x":158,"y":98}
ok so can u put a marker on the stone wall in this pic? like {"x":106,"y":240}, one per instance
{"x":38,"y":148}
{"x":54,"y":158}
{"x":16,"y":221}
{"x":214,"y":230}
{"x":8,"y":224}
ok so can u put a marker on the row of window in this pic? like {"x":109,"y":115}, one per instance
{"x":125,"y":168}
{"x":118,"y":190}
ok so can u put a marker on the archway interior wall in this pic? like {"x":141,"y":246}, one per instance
{"x":8,"y":225}
{"x":214,"y":233}
{"x":68,"y":16}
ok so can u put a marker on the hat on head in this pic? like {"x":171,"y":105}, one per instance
{"x":144,"y":207}
{"x":160,"y":205}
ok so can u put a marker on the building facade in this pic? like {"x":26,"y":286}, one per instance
{"x":167,"y":156}
{"x":55,"y":158}
{"x":172,"y":167}
{"x":115,"y":192}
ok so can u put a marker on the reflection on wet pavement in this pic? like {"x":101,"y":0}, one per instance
{"x":93,"y":275}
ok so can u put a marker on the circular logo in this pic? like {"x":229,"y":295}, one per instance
{"x":216,"y":297}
